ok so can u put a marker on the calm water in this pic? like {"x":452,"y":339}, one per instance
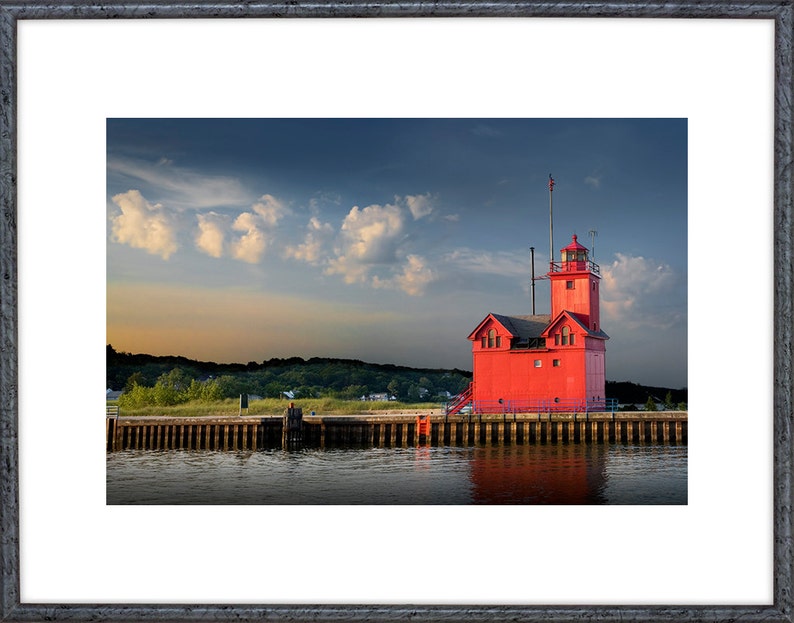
{"x":526,"y":474}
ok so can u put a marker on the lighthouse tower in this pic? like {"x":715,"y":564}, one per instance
{"x":575,"y":284}
{"x":547,"y":361}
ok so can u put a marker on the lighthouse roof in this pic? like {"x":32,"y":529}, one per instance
{"x":574,"y":246}
{"x":524,"y":326}
{"x":521,"y":327}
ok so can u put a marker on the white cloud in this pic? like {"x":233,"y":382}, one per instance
{"x":252,"y":244}
{"x":486,"y":131}
{"x":184,"y":188}
{"x":419,"y":205}
{"x":211,"y":234}
{"x":143,"y":225}
{"x":256,"y":226}
{"x":270,"y":209}
{"x":592,"y":180}
{"x":413,"y":280}
{"x":371,"y":235}
{"x":636,"y":292}
{"x":311,"y":250}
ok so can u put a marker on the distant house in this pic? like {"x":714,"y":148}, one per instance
{"x":113,"y":395}
{"x":382,"y":397}
{"x":288,"y":394}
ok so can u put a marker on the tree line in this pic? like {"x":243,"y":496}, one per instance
{"x":165,"y":380}
{"x":148,"y":379}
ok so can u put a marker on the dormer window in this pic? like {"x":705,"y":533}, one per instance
{"x":491,"y":338}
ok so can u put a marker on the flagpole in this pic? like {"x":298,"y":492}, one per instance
{"x":551,"y":224}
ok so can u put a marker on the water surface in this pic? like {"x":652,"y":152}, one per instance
{"x":518,"y":474}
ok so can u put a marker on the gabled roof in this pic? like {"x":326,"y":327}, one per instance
{"x":524,"y":326}
{"x":578,"y":322}
{"x":521,"y":327}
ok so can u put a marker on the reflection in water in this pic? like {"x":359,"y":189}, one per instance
{"x":519,"y":474}
{"x":539,"y":474}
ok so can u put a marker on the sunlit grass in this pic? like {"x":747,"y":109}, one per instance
{"x":274,"y":406}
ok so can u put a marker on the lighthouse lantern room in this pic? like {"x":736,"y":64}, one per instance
{"x":544,"y":362}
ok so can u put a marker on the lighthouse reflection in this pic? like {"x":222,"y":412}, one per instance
{"x":539,"y":474}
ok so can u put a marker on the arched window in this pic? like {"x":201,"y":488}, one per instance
{"x":491,"y":338}
{"x":566,"y":334}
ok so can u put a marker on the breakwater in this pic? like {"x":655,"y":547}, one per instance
{"x":249,"y":432}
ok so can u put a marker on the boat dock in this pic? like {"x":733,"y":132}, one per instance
{"x":249,"y":432}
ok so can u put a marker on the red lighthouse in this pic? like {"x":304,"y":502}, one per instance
{"x":548,"y":361}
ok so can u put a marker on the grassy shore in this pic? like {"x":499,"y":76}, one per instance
{"x":274,"y":406}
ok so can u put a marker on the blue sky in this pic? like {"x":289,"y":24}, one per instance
{"x":388,"y":240}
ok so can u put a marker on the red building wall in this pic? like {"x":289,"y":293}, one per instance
{"x":514,"y":375}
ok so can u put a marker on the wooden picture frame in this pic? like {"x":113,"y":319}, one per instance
{"x":11,"y":606}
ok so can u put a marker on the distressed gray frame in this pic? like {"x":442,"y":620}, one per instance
{"x":781,"y":11}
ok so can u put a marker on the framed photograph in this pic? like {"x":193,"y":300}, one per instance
{"x":82,"y":83}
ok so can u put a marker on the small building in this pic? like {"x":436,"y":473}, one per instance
{"x":549,"y":361}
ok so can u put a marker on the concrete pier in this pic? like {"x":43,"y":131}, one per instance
{"x":394,"y":430}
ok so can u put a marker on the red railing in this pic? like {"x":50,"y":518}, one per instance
{"x":460,"y":401}
{"x":559,"y":405}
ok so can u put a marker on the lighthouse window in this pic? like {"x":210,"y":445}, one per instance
{"x":498,"y":341}
{"x":556,"y":339}
{"x":538,"y":363}
{"x":572,"y":338}
{"x":491,"y":338}
{"x":484,"y":341}
{"x":556,"y":363}
{"x":566,"y":334}
{"x":569,"y":285}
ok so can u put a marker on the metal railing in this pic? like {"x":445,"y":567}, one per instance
{"x":574,"y":266}
{"x":557,"y":405}
{"x":111,"y":411}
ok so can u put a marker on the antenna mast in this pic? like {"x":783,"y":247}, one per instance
{"x":593,"y":233}
{"x":551,"y":223}
{"x":532,"y":256}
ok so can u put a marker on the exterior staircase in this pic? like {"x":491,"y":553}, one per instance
{"x":461,"y":400}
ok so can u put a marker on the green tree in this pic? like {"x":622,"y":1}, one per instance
{"x":650,"y":405}
{"x":177,"y":380}
{"x":136,"y":378}
{"x":669,"y":405}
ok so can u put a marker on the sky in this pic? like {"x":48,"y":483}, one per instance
{"x":389,"y":240}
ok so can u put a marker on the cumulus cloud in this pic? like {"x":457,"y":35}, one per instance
{"x":419,"y":205}
{"x":311,"y":250}
{"x":636,"y":291}
{"x":256,"y":229}
{"x":413,"y":280}
{"x":211,"y":234}
{"x":372,"y":234}
{"x":270,"y":210}
{"x":373,"y":247}
{"x":143,"y":225}
{"x":252,"y":244}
